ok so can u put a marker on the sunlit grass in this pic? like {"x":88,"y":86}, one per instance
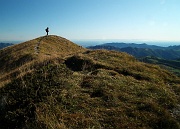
{"x":66,"y":86}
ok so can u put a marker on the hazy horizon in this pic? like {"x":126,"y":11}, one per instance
{"x":86,"y":43}
{"x":92,"y":42}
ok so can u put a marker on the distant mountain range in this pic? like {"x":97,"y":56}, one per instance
{"x":142,"y":50}
{"x":2,"y":45}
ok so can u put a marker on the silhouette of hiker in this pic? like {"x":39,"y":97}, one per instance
{"x":47,"y":30}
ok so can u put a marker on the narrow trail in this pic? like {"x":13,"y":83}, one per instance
{"x":36,"y":48}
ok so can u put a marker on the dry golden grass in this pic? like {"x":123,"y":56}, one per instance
{"x":65,"y":86}
{"x":18,"y":59}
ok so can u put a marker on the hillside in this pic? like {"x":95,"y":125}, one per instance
{"x":17,"y":59}
{"x":50,"y":82}
{"x":165,"y":57}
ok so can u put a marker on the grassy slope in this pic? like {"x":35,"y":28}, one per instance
{"x":89,"y":89}
{"x":18,"y":59}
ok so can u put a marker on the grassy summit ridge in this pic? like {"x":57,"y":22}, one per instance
{"x":66,"y":86}
{"x":19,"y":58}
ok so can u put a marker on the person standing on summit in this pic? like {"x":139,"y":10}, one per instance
{"x":47,"y":30}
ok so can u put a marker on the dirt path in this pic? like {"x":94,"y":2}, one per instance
{"x":36,"y":48}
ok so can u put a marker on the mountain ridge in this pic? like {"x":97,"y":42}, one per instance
{"x":142,"y":50}
{"x":134,"y":45}
{"x":139,"y":45}
{"x":66,"y":86}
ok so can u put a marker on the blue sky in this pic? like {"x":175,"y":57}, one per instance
{"x":144,"y":20}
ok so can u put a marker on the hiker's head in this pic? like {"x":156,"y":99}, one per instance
{"x":47,"y":29}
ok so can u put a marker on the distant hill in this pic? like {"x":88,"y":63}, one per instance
{"x":176,"y":47}
{"x":133,"y":45}
{"x":52,"y":83}
{"x":142,"y":50}
{"x":3,"y":45}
